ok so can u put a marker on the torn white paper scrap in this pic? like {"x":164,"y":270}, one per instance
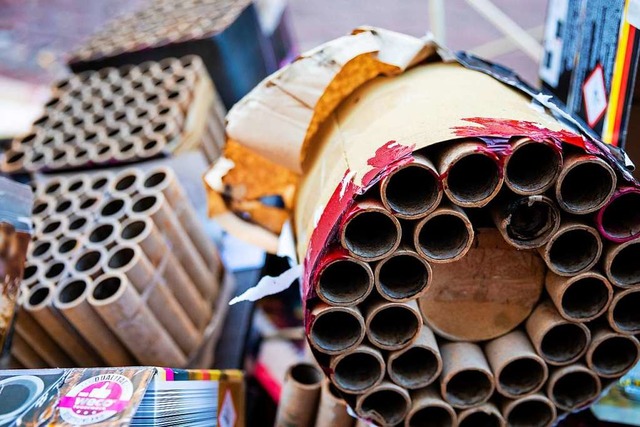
{"x":269,"y":285}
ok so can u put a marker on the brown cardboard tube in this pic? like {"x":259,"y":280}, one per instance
{"x":530,"y":411}
{"x":466,"y":379}
{"x":114,"y":208}
{"x":418,"y":365}
{"x":104,"y":151}
{"x":557,"y":340}
{"x":586,"y":183}
{"x":78,"y":223}
{"x":77,"y":184}
{"x":580,"y":298}
{"x":445,"y":235}
{"x":131,"y":261}
{"x":68,"y":247}
{"x":428,"y":409}
{"x":486,"y":415}
{"x":623,"y":314}
{"x":59,"y":157}
{"x":573,"y":387}
{"x":100,"y":181}
{"x":611,"y":354}
{"x":300,"y":396}
{"x":42,"y":250}
{"x":55,"y":271}
{"x":332,"y":411}
{"x":573,"y":249}
{"x":30,"y":275}
{"x":153,"y":145}
{"x":413,"y":190}
{"x":392,"y":325}
{"x":402,"y":276}
{"x":357,"y":371}
{"x":79,"y":156}
{"x":518,"y":370}
{"x":356,"y":235}
{"x":40,"y":341}
{"x":344,"y":280}
{"x":38,"y":304}
{"x":53,"y":227}
{"x":71,"y":300}
{"x":103,"y":234}
{"x":621,"y":264}
{"x":527,"y":222}
{"x":65,"y":206}
{"x":43,"y":206}
{"x":90,"y":202}
{"x":126,"y":182}
{"x":25,"y":354}
{"x":532,"y":167}
{"x":128,"y":149}
{"x":620,"y":218}
{"x":335,"y":330}
{"x":122,"y":309}
{"x":165,"y":219}
{"x":471,"y":175}
{"x":90,"y":262}
{"x":141,"y":231}
{"x":53,"y":187}
{"x":387,"y":404}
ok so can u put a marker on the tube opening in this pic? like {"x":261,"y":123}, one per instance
{"x":481,"y":419}
{"x":55,"y":269}
{"x":574,"y":251}
{"x":67,"y":245}
{"x":357,"y":372}
{"x":40,"y":207}
{"x":403,"y":276}
{"x":370,"y":234}
{"x":99,"y":183}
{"x":77,"y":223}
{"x":41,"y":248}
{"x":385,"y":406}
{"x":415,"y":368}
{"x":586,"y":186}
{"x":72,"y":291}
{"x":144,"y":203}
{"x":29,"y":271}
{"x":39,"y":296}
{"x":121,"y":258}
{"x":473,"y":178}
{"x":306,"y":374}
{"x":87,"y":261}
{"x":106,"y":288}
{"x":614,"y":356}
{"x":63,"y":206}
{"x":344,"y":281}
{"x":15,"y":157}
{"x":89,"y":202}
{"x":75,"y":185}
{"x":126,"y":182}
{"x":412,"y":191}
{"x":531,"y":221}
{"x":621,"y":218}
{"x":113,"y":207}
{"x":431,"y":416}
{"x":467,"y":388}
{"x":575,"y":389}
{"x":52,"y":187}
{"x":393,"y":326}
{"x":625,"y":268}
{"x":585,"y":298}
{"x":335,"y":331}
{"x":101,"y":233}
{"x":626,"y":314}
{"x":53,"y":226}
{"x":533,"y":167}
{"x":522,"y":376}
{"x":531,"y":413}
{"x":133,"y":229}
{"x":444,"y":237}
{"x":563,"y":343}
{"x":155,"y":179}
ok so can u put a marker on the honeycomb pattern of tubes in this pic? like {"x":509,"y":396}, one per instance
{"x":527,"y":308}
{"x":160,"y":23}
{"x":122,"y":115}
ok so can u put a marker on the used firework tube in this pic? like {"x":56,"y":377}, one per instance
{"x":486,"y":415}
{"x":530,"y":411}
{"x":611,"y":354}
{"x":25,"y":354}
{"x":332,"y":411}
{"x":300,"y":396}
{"x":466,"y":379}
{"x":623,"y":314}
{"x":573,"y":387}
{"x":573,"y":249}
{"x":527,"y":222}
{"x":387,"y":404}
{"x":334,"y":330}
{"x":532,"y":167}
{"x":413,"y":190}
{"x":90,"y":262}
{"x":586,"y":183}
{"x":518,"y":370}
{"x":358,"y":370}
{"x":343,"y":280}
{"x":127,"y":182}
{"x":445,"y":235}
{"x":619,"y":220}
{"x":428,"y":408}
{"x":557,"y":340}
{"x":418,"y":365}
{"x":40,"y":341}
{"x":103,"y":234}
{"x":402,"y":276}
{"x":580,"y":298}
{"x":356,"y":235}
{"x":392,"y":325}
{"x":621,"y":264}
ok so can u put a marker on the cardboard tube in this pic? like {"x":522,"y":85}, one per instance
{"x":71,"y":300}
{"x":527,"y":222}
{"x":141,"y":231}
{"x":126,"y":182}
{"x":419,"y":364}
{"x":25,"y":354}
{"x":68,"y":247}
{"x":38,"y":304}
{"x":15,"y":159}
{"x":471,"y":175}
{"x":428,"y":409}
{"x":40,"y":341}
{"x":103,"y":234}
{"x":580,"y":298}
{"x":53,"y":227}
{"x":126,"y":314}
{"x":356,"y":231}
{"x":53,"y":187}
{"x":334,"y":330}
{"x":573,"y":387}
{"x":90,"y":262}
{"x":619,"y":220}
{"x":557,"y":340}
{"x":585,"y":184}
{"x":65,"y":206}
{"x":77,"y":184}
{"x":402,"y":276}
{"x":332,"y":411}
{"x":413,"y":190}
{"x":42,"y":250}
{"x":611,"y":354}
{"x":54,"y":271}
{"x":392,"y":325}
{"x":518,"y":370}
{"x":573,"y":249}
{"x":104,"y":151}
{"x":43,"y":206}
{"x":343,"y":280}
{"x":165,"y":219}
{"x":100,"y":181}
{"x":79,"y":156}
{"x":386,"y":404}
{"x":128,"y":149}
{"x":153,"y":146}
{"x":114,"y":208}
{"x":300,"y":396}
{"x":623,"y":314}
{"x":621,"y":264}
{"x":131,"y":261}
{"x":532,"y":167}
{"x":78,"y":223}
{"x":466,"y":379}
{"x":31,"y":273}
{"x":163,"y":179}
{"x":486,"y":415}
{"x":445,"y":235}
{"x":90,"y":202}
{"x":358,"y":370}
{"x":530,"y":411}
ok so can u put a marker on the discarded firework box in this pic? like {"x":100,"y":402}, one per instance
{"x":455,"y":238}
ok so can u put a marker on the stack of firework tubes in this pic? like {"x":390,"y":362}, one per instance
{"x":112,"y":116}
{"x":119,"y":273}
{"x":467,"y":258}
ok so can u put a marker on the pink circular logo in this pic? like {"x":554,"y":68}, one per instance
{"x":96,"y":399}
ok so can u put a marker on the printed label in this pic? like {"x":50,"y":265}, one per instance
{"x":595,"y":96}
{"x":228,"y":414}
{"x":96,"y":399}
